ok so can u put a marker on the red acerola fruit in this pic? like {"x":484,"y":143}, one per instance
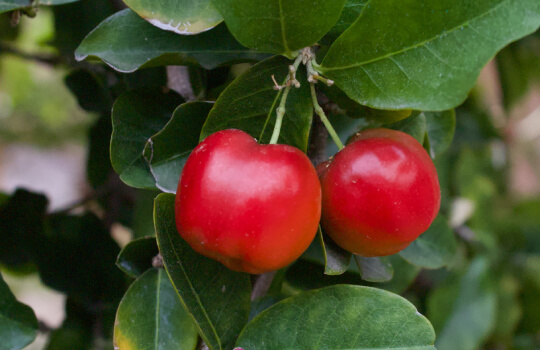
{"x":253,"y":207}
{"x":379,"y":193}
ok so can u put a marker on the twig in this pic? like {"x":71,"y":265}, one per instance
{"x":262,"y":284}
{"x":51,"y":60}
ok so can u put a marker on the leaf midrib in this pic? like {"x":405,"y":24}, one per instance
{"x":415,"y":46}
{"x":195,"y":295}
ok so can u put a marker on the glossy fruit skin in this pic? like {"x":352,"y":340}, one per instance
{"x":255,"y":208}
{"x":379,"y":193}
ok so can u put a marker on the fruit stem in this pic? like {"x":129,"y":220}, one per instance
{"x":280,"y":111}
{"x":324,"y":119}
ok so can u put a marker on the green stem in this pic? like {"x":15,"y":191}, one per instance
{"x":280,"y":111}
{"x":324,"y":119}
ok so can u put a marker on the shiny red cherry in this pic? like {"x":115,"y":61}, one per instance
{"x":379,"y":193}
{"x":253,"y":207}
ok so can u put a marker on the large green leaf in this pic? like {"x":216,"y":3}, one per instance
{"x":463,"y":313}
{"x":18,"y":324}
{"x":340,"y":317}
{"x":217,"y":298}
{"x":424,"y":55}
{"x":249,"y":103}
{"x":434,"y":248}
{"x":151,"y":316}
{"x":278,"y":26}
{"x":126,"y":42}
{"x":179,"y":16}
{"x":166,"y":152}
{"x":138,"y":115}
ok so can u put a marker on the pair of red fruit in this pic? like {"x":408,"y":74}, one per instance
{"x":256,"y":208}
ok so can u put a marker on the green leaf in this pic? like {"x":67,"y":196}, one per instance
{"x":377,"y":269}
{"x":351,"y":11}
{"x":249,"y":104}
{"x":434,"y":248}
{"x":166,"y":152}
{"x":136,"y":257}
{"x":77,"y":257}
{"x":440,"y":130}
{"x":18,"y":324}
{"x":424,"y":55}
{"x":326,"y":252}
{"x":415,"y":126}
{"x":77,"y":330}
{"x":90,"y":91}
{"x":217,"y":298}
{"x":21,"y":228}
{"x":179,"y":16}
{"x":464,"y":313}
{"x":137,"y":115}
{"x":404,"y":275}
{"x":151,"y":316}
{"x":10,"y":5}
{"x":340,"y":317}
{"x":353,"y":109}
{"x":277,"y":26}
{"x":126,"y":42}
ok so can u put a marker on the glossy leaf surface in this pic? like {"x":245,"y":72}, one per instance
{"x":137,"y":116}
{"x":351,"y":11}
{"x":250,"y":101}
{"x":179,"y":16}
{"x":151,"y":316}
{"x":18,"y":324}
{"x":126,"y":42}
{"x":217,"y":298}
{"x":136,"y":257}
{"x":424,"y":55}
{"x":340,"y":317}
{"x":166,"y":152}
{"x":434,"y":248}
{"x":279,"y":26}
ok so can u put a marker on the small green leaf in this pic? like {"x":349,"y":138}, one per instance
{"x":277,"y":26}
{"x":18,"y":324}
{"x":424,"y":55}
{"x":376,"y":269}
{"x":217,"y":298}
{"x":138,"y":115}
{"x":136,"y":257}
{"x":166,"y":152}
{"x":415,"y":126}
{"x":126,"y":42}
{"x":340,"y":317}
{"x":440,"y":130}
{"x":179,"y":16}
{"x":326,"y":252}
{"x":55,"y":2}
{"x":434,"y":248}
{"x":151,"y":316}
{"x":464,"y":313}
{"x":249,"y":104}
